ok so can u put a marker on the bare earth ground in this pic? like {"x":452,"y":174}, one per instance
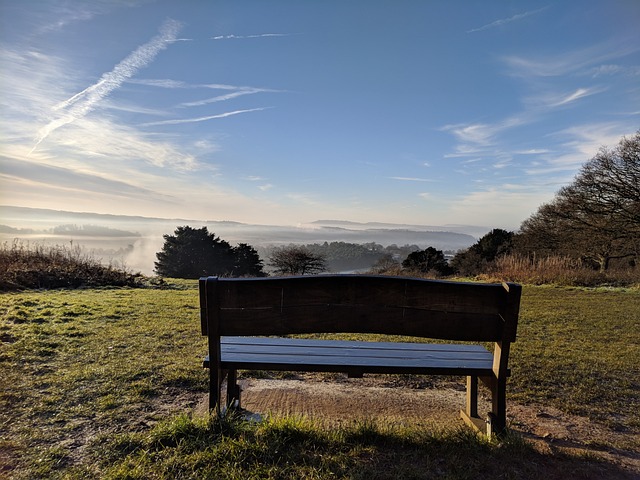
{"x":334,"y":400}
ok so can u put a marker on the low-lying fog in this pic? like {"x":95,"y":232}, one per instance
{"x":132,"y":242}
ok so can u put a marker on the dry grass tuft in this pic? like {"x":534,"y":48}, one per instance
{"x":26,"y":266}
{"x":558,"y":270}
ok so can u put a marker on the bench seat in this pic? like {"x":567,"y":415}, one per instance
{"x":352,"y":357}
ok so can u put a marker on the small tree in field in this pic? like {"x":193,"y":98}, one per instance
{"x":194,"y":252}
{"x":296,"y":260}
{"x":427,"y":260}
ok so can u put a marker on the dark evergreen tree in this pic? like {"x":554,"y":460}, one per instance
{"x":247,"y":262}
{"x":194,"y":252}
{"x":427,"y":260}
{"x":479,"y":256}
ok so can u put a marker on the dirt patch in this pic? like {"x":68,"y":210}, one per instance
{"x":340,"y":401}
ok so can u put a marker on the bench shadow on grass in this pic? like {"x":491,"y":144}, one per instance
{"x":294,"y":447}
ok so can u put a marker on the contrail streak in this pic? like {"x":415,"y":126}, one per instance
{"x":84,"y":102}
{"x":260,"y":35}
{"x":178,"y":121}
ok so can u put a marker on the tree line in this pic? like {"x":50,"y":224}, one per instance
{"x":595,"y":219}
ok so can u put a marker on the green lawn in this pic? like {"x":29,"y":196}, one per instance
{"x":98,"y":383}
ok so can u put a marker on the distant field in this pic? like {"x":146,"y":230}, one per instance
{"x":86,"y":375}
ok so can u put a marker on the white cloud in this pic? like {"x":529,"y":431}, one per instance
{"x":532,"y":151}
{"x":578,"y":94}
{"x":82,"y":103}
{"x":504,"y":21}
{"x":411,"y":179}
{"x":504,"y":206}
{"x":571,"y":61}
{"x":609,"y":70}
{"x":542,"y":102}
{"x":161,"y":83}
{"x":582,"y":143}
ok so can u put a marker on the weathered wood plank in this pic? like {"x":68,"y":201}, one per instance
{"x":365,"y":319}
{"x":362,"y":304}
{"x":355,"y":350}
{"x":230,"y":340}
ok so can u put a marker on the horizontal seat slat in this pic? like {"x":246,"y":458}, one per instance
{"x":356,"y":349}
{"x":323,"y":342}
{"x":339,"y":356}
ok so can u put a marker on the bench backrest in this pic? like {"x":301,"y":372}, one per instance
{"x":359,"y":304}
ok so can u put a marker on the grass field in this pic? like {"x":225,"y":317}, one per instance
{"x":100,"y":383}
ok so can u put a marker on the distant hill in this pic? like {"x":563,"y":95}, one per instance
{"x":136,"y":239}
{"x":474,"y":230}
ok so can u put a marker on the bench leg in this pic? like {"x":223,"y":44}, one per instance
{"x":498,"y":417}
{"x":233,"y":389}
{"x":215,"y":382}
{"x":470,"y":413}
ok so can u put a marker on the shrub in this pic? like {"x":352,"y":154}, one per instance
{"x":559,"y":270}
{"x":24,"y":266}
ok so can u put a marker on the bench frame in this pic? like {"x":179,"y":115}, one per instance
{"x":241,"y":316}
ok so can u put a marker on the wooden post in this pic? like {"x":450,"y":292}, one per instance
{"x":213,"y":332}
{"x":499,"y":387}
{"x":233,"y":389}
{"x":499,"y":406}
{"x":472,"y":396}
{"x":470,"y":413}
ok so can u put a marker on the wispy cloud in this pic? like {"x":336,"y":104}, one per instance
{"x":578,"y":94}
{"x":162,"y":83}
{"x":259,"y":35}
{"x":532,"y":151}
{"x":221,"y":98}
{"x":84,"y":102}
{"x":610,"y":70}
{"x":580,"y":143}
{"x":235,"y":91}
{"x":411,"y":179}
{"x":178,"y":121}
{"x":504,"y":21}
{"x":552,"y":97}
{"x":70,"y":179}
{"x":570,"y":61}
{"x":481,"y":134}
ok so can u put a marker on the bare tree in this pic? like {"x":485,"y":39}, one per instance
{"x":597,"y":216}
{"x":295,"y":260}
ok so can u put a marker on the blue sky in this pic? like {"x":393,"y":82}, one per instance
{"x":285,"y":112}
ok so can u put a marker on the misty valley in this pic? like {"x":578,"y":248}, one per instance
{"x":132,"y":242}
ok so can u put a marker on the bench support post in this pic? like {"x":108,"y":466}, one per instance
{"x":215,"y":381}
{"x":233,"y":389}
{"x":498,"y":417}
{"x":470,"y":413}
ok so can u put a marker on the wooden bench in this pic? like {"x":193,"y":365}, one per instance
{"x":241,"y":316}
